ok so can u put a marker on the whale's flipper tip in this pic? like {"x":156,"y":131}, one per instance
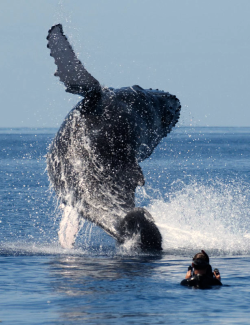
{"x":70,"y":70}
{"x":139,"y":223}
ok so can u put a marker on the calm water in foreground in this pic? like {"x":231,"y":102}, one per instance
{"x":198,"y":191}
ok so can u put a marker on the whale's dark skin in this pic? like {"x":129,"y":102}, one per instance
{"x":93,"y":162}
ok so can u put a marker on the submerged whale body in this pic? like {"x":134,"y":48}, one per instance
{"x":93,"y":162}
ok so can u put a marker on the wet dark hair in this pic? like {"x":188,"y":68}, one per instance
{"x":201,"y":260}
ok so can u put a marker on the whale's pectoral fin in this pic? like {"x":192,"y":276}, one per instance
{"x":139,"y":224}
{"x":69,"y":227}
{"x":69,"y":69}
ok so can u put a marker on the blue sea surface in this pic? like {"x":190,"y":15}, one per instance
{"x":198,"y":191}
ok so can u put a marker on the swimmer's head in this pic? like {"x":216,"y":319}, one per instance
{"x":200,"y":261}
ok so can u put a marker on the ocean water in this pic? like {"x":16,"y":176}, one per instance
{"x":198,"y":191}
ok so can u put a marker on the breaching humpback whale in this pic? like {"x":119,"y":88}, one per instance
{"x":93,"y":162}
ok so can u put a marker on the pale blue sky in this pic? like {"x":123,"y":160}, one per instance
{"x":198,"y":50}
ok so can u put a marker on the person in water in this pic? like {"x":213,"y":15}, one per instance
{"x":202,"y":276}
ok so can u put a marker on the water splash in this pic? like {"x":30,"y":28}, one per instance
{"x":214,"y":217}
